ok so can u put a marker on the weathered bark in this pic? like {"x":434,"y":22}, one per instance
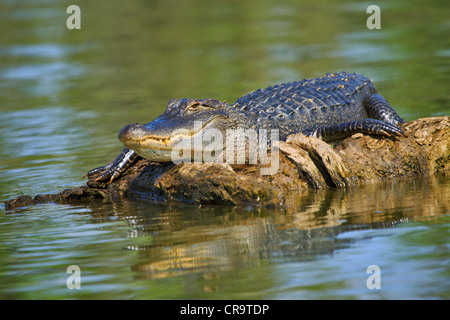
{"x":360,"y":158}
{"x":304,"y":163}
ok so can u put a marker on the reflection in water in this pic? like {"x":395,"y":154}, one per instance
{"x":313,"y":248}
{"x":188,"y":240}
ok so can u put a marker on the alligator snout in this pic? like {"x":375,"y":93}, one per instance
{"x":134,"y":131}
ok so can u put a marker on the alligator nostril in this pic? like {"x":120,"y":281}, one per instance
{"x":131,"y":131}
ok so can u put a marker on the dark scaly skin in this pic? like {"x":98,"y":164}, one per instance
{"x":332,"y":107}
{"x":112,"y":170}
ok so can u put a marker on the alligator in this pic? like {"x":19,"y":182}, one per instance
{"x":331,"y":107}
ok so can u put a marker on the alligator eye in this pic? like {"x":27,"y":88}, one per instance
{"x":193,"y":107}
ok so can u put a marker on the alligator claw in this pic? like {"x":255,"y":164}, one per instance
{"x":110,"y":172}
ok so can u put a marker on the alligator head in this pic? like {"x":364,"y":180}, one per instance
{"x":183,"y":119}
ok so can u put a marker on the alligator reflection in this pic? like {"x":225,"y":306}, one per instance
{"x":206,"y":240}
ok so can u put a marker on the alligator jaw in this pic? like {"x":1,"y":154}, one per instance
{"x":153,"y":147}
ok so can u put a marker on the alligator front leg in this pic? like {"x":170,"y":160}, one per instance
{"x":115,"y":168}
{"x":346,"y":129}
{"x":377,"y":107}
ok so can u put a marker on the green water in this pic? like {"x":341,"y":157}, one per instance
{"x":65,"y":94}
